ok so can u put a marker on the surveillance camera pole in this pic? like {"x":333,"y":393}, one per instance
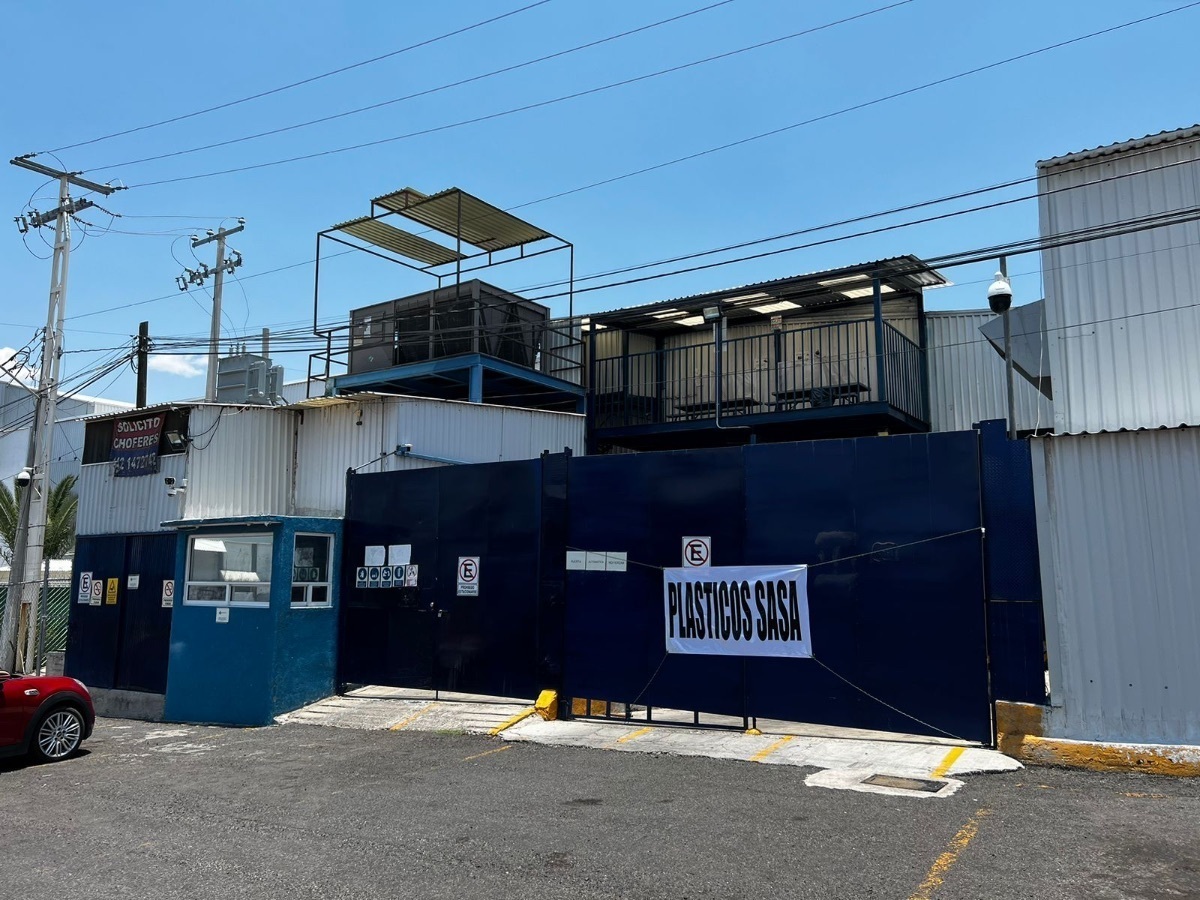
{"x":31,"y":526}
{"x":1008,"y":361}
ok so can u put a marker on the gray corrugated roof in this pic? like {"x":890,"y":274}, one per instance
{"x":1150,"y":140}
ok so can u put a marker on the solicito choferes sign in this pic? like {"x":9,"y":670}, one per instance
{"x":135,"y":446}
{"x":738,"y":611}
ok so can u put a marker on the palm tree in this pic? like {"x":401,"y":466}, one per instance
{"x":60,"y":519}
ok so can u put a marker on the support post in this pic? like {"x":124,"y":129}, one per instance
{"x":476,"y":388}
{"x":880,"y":363}
{"x":1008,"y":362}
{"x":214,"y":334}
{"x":143,"y":358}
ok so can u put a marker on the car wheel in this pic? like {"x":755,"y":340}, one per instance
{"x":58,"y":735}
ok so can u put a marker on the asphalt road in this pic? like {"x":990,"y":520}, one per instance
{"x":301,"y":811}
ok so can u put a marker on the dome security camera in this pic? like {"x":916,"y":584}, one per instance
{"x":24,"y":478}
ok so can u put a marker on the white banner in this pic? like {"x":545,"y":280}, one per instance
{"x":737,"y":610}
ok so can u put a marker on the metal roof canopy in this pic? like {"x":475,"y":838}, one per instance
{"x":899,"y":276}
{"x":398,"y":241}
{"x":458,"y":214}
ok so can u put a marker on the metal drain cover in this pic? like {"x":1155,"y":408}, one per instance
{"x":906,"y":784}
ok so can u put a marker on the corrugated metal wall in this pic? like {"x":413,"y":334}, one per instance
{"x":240,"y":462}
{"x":967,"y":377}
{"x":109,"y":505}
{"x":1121,"y":313}
{"x":1117,"y":519}
{"x":330,"y":442}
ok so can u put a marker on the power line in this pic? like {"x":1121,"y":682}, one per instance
{"x":303,"y":81}
{"x":425,"y":93}
{"x":531,"y":106}
{"x":775,"y":131}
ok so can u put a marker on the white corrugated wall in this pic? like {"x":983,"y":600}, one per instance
{"x":109,"y":505}
{"x":1123,"y":313}
{"x":967,"y":377}
{"x":239,"y":462}
{"x":1117,"y":520}
{"x":330,"y":442}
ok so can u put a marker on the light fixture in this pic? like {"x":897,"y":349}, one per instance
{"x":777,"y":306}
{"x":690,"y":321}
{"x":859,"y":293}
{"x":711,"y":314}
{"x":176,"y":441}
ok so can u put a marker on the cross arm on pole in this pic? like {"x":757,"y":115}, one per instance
{"x":26,"y":163}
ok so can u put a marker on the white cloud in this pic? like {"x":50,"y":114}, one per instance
{"x":14,"y":372}
{"x":183,"y":366}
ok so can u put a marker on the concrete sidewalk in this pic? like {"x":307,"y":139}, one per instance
{"x":847,"y":759}
{"x":387,"y":708}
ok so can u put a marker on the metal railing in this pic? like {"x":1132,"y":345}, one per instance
{"x":808,"y":368}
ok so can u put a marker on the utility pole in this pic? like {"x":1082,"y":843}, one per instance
{"x":198,"y":277}
{"x":143,"y":358}
{"x":31,"y":524}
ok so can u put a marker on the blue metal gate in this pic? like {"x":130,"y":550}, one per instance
{"x":122,"y":644}
{"x":504,"y":639}
{"x":891,"y":530}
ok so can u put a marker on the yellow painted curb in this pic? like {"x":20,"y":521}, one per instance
{"x":1022,"y":726}
{"x":634,"y":735}
{"x":947,"y":762}
{"x":420,"y":712}
{"x":547,"y":705}
{"x":513,"y":720}
{"x":1152,"y":759}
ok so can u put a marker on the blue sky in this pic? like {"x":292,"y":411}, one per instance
{"x":138,"y":62}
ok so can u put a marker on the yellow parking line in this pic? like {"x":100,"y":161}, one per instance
{"x":420,"y":712}
{"x":947,"y":761}
{"x":633,"y":734}
{"x":488,"y":752}
{"x":941,"y":865}
{"x":767,"y":751}
{"x":512,"y":720}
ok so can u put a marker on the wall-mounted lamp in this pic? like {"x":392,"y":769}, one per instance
{"x":176,"y":441}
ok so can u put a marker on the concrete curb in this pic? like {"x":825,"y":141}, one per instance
{"x":1022,"y":726}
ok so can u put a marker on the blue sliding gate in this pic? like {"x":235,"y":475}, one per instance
{"x":901,"y":590}
{"x":891,"y":530}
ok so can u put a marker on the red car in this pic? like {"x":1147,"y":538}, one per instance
{"x":45,"y":716}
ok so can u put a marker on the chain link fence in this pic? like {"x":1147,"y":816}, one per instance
{"x":57,"y":607}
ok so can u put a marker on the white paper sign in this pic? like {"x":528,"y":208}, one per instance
{"x":410,"y":576}
{"x":468,"y":576}
{"x":168,"y":594}
{"x":594,"y":561}
{"x":399,"y":554}
{"x":222,"y":614}
{"x":132,"y":582}
{"x":85,"y":587}
{"x":576,"y":560}
{"x":97,"y":591}
{"x":615,"y":561}
{"x":737,"y":611}
{"x":697,"y":551}
{"x":375,"y":556}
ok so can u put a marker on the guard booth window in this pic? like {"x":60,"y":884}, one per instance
{"x":229,"y":570}
{"x":310,"y":570}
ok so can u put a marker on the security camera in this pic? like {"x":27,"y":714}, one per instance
{"x":169,"y":481}
{"x":406,"y":448}
{"x":241,"y":221}
{"x":23,"y":478}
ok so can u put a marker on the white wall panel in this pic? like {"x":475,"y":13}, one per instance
{"x":239,"y":462}
{"x":110,"y":505}
{"x":1123,"y":313}
{"x":1117,"y":519}
{"x":967,"y":377}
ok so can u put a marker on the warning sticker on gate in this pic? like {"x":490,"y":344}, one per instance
{"x":168,"y":593}
{"x":85,"y":587}
{"x":468,"y":576}
{"x":360,"y":577}
{"x":97,"y":591}
{"x":737,"y":611}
